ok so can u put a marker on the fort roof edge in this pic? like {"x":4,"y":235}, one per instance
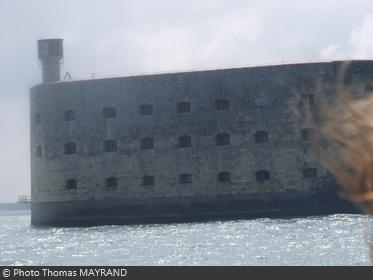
{"x":201,"y":70}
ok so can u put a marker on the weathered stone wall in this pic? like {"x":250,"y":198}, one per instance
{"x":261,"y":99}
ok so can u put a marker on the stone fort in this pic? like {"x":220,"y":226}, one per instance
{"x":175,"y":147}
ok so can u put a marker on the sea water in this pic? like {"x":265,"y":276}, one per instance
{"x":325,"y":240}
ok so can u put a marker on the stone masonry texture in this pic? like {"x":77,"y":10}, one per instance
{"x":261,"y":99}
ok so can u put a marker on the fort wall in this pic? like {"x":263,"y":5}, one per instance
{"x":176,"y":140}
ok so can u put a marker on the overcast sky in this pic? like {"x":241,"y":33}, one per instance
{"x":119,"y":37}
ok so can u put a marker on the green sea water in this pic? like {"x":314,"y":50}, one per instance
{"x":329,"y":240}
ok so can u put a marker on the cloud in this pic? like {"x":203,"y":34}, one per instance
{"x":358,"y":46}
{"x":184,"y":46}
{"x":119,"y":37}
{"x":332,"y":52}
{"x":361,"y":39}
{"x":14,"y":148}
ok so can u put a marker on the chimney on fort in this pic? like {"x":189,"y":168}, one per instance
{"x":50,"y":54}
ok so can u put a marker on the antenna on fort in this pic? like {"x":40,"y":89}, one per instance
{"x":67,"y":76}
{"x":50,"y":54}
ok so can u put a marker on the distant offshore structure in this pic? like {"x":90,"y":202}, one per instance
{"x":179,"y":147}
{"x":24,"y":202}
{"x":24,"y":199}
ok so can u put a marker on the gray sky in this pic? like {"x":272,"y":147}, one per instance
{"x":118,"y":37}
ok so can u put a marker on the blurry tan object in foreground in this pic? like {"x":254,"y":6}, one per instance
{"x":348,"y":127}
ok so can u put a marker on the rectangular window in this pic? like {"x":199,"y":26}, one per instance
{"x":307,"y":100}
{"x":111,"y":183}
{"x":310,"y":173}
{"x":39,"y":151}
{"x":184,"y":107}
{"x":224,"y":177}
{"x":69,"y":116}
{"x":71,"y":184}
{"x":109,"y":113}
{"x":147,"y":144}
{"x":148,"y":181}
{"x":37,"y":119}
{"x":262,"y":176}
{"x":223,"y":139}
{"x":185,"y":141}
{"x":110,"y":146}
{"x":185,"y":179}
{"x":261,"y":137}
{"x":70,"y":148}
{"x":222,"y":104}
{"x":308,"y":134}
{"x":146,"y":110}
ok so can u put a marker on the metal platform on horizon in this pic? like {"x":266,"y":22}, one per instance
{"x":25,"y":199}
